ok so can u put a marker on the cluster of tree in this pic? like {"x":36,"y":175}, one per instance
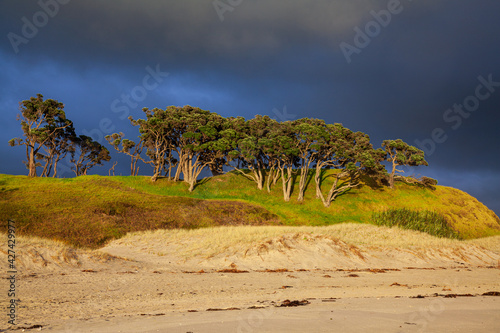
{"x":180,"y":142}
{"x":50,"y":137}
{"x":264,"y":150}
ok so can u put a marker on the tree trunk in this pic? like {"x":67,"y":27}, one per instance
{"x":178,"y":171}
{"x":155,"y":176}
{"x":133,"y":163}
{"x":55,"y":168}
{"x":270,"y":175}
{"x":259,"y":178}
{"x":287,"y":183}
{"x":45,"y":169}
{"x":32,"y":163}
{"x":304,"y":173}
{"x":330,"y":197}
{"x":317,"y":180}
{"x":335,"y":192}
{"x":256,"y":176}
{"x":391,"y":177}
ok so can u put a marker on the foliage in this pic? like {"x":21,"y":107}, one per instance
{"x":87,"y":153}
{"x":49,"y":137}
{"x":43,"y":123}
{"x":401,"y":153}
{"x":427,"y":221}
{"x":93,"y":209}
{"x":127,"y":147}
{"x":261,"y":149}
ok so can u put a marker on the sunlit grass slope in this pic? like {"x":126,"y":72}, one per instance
{"x":87,"y":211}
{"x":90,"y":210}
{"x":469,"y":217}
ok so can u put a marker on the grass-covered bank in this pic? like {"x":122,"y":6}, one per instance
{"x":87,"y":211}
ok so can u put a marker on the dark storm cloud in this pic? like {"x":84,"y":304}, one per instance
{"x":264,"y":57}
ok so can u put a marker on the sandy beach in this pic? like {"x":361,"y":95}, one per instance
{"x":295,"y":284}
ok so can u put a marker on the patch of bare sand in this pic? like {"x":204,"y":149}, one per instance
{"x":171,"y":277}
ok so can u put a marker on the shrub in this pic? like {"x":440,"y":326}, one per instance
{"x":427,"y":221}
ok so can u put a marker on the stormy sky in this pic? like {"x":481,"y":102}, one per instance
{"x":427,"y":72}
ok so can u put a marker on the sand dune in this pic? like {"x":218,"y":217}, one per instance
{"x":231,"y":281}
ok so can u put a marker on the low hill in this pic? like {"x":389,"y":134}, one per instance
{"x":88,"y":211}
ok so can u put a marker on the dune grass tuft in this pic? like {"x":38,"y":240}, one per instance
{"x":426,"y":221}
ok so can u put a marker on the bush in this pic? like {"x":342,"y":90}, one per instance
{"x":428,"y":182}
{"x":425,"y":221}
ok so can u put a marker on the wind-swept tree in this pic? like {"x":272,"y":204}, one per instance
{"x":42,"y":122}
{"x":281,"y":148}
{"x":57,"y":148}
{"x":308,"y":136}
{"x":158,"y":136}
{"x":250,"y":137}
{"x":86,"y":154}
{"x":349,"y":152}
{"x":401,"y":153}
{"x":199,"y":144}
{"x":127,"y":147}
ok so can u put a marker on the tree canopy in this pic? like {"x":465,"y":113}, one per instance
{"x":400,"y":153}
{"x":49,"y":136}
{"x":180,"y":142}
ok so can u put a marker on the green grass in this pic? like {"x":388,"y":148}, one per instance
{"x":426,"y":221}
{"x":88,"y":211}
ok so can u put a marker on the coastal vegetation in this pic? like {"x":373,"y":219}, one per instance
{"x":256,"y":164}
{"x":88,"y":211}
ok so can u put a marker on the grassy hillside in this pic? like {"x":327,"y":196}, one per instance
{"x":89,"y":210}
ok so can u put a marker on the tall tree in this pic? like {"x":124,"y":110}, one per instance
{"x":127,"y":147}
{"x":281,"y":148}
{"x":401,"y":153}
{"x":351,"y":153}
{"x":250,"y":137}
{"x":86,"y":154}
{"x":41,"y":120}
{"x":57,"y":148}
{"x":308,"y":137}
{"x":156,"y":136}
{"x":199,"y":144}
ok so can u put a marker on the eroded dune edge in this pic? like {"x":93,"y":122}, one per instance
{"x":180,"y":271}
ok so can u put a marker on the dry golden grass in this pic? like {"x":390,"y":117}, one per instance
{"x":43,"y":250}
{"x":491,"y":243}
{"x":89,"y":211}
{"x":212,"y":241}
{"x":33,"y":241}
{"x":215,"y":240}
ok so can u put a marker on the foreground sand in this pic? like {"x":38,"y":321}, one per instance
{"x":153,"y":284}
